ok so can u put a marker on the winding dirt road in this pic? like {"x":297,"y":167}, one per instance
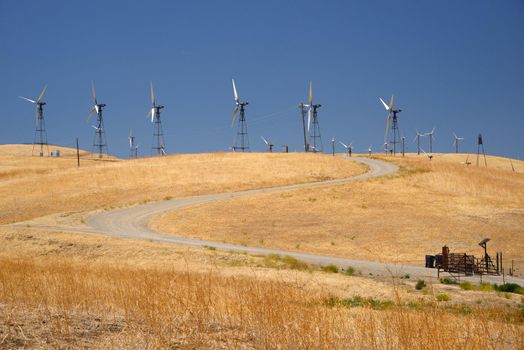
{"x":133,"y":223}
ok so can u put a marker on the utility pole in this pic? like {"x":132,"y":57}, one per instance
{"x":77,"y":153}
{"x":303,"y":113}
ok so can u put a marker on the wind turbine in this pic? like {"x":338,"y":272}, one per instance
{"x":312,"y":118}
{"x":133,"y":149}
{"x":268,"y":144}
{"x":158,"y":131}
{"x":242,"y":140}
{"x":391,"y":118}
{"x":369,"y":150}
{"x":303,"y":107}
{"x":348,"y":147}
{"x":100,"y":138}
{"x":456,"y":142}
{"x":418,"y":140}
{"x":40,"y":132}
{"x":430,"y":134}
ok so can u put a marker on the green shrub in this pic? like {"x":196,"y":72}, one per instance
{"x":447,"y":280}
{"x":350,"y":271}
{"x":443,"y":297}
{"x":420,"y":284}
{"x":358,"y":301}
{"x":330,"y":268}
{"x":510,"y":288}
{"x":466,"y":285}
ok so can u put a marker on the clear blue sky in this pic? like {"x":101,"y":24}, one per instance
{"x":455,"y":65}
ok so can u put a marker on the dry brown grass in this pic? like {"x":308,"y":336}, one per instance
{"x":56,"y":303}
{"x":71,"y":290}
{"x":31,"y":187}
{"x":395,"y":219}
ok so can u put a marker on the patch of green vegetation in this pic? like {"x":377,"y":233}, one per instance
{"x":330,"y":268}
{"x":210,"y":248}
{"x":358,"y":301}
{"x":443,"y":297}
{"x":447,"y":280}
{"x":349,"y":271}
{"x":285,"y":262}
{"x":521,"y":309}
{"x":420,"y":285}
{"x":405,"y":277}
{"x":509,"y":288}
{"x":488,"y":287}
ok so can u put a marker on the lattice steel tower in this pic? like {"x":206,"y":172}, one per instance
{"x":241,"y":140}
{"x":158,"y":146}
{"x":99,"y":141}
{"x":314,"y":136}
{"x":40,"y":138}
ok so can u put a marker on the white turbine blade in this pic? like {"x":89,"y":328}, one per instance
{"x":333,"y":139}
{"x":130,"y":142}
{"x":387,"y":128}
{"x":27,"y":99}
{"x":310,"y":97}
{"x":234,"y":116}
{"x":391,"y":104}
{"x":149,"y":114}
{"x":41,"y":94}
{"x":263,"y":139}
{"x":94,"y":127}
{"x":153,"y":112}
{"x":454,"y":142}
{"x":93,"y":93}
{"x":91,"y":114}
{"x":455,"y":136}
{"x":234,"y":90}
{"x":96,"y":109}
{"x":343,"y":144}
{"x":384,"y":103}
{"x":152,"y":93}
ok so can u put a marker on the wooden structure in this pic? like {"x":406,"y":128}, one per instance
{"x":457,"y":264}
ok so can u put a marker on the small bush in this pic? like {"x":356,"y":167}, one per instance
{"x":510,"y":288}
{"x":350,"y":271}
{"x":466,"y":285}
{"x":405,"y":277}
{"x":358,"y":301}
{"x":443,"y":297}
{"x":420,"y":284}
{"x":447,"y":280}
{"x":330,"y":268}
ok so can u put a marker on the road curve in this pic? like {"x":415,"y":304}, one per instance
{"x":133,"y":223}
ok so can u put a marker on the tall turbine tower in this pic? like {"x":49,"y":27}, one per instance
{"x":241,"y":141}
{"x":315,"y":137}
{"x":456,"y":142}
{"x":418,"y":140}
{"x":392,"y":119}
{"x":40,"y":133}
{"x":158,"y":146}
{"x":431,"y":136}
{"x":99,"y":142}
{"x":133,"y":147}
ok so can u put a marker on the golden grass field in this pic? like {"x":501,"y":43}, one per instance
{"x":77,"y":290}
{"x":400,"y":218}
{"x":32,"y":187}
